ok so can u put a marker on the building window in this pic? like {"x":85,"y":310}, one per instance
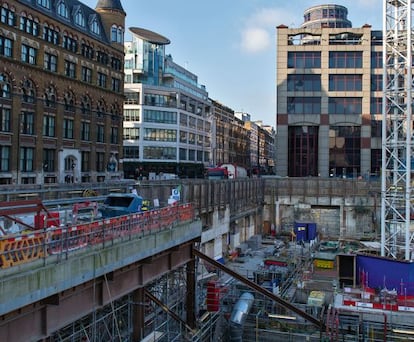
{"x":102,"y":57}
{"x":62,"y":9}
{"x":4,"y":158}
{"x":345,"y":105}
{"x":100,"y":134}
{"x":5,"y":114}
{"x":70,"y":44}
{"x":116,"y":84}
{"x":100,"y":109}
{"x":49,"y":160}
{"x":49,"y":122}
{"x":376,"y":105}
{"x":117,"y":34}
{"x":101,"y":80}
{"x":86,"y":105}
{"x":345,"y":59}
{"x":6,"y":47}
{"x":163,"y":153}
{"x":50,"y":62}
{"x":131,"y":152}
{"x":114,"y":135}
{"x":44,"y":3}
{"x":80,"y":19}
{"x":86,"y":74}
{"x":26,"y":159}
{"x":376,"y":60}
{"x":50,"y":35}
{"x":376,"y":162}
{"x":7,"y":16}
{"x":304,"y":82}
{"x":304,"y":105}
{"x":28,"y":54}
{"x":70,"y":69}
{"x":95,"y":28}
{"x":87,"y":51}
{"x":85,"y":162}
{"x":29,"y":25}
{"x":100,"y":161}
{"x":27,"y":122}
{"x":158,"y":116}
{"x":5,"y":92}
{"x":116,"y":64}
{"x":69,"y":102}
{"x":158,"y":134}
{"x":131,"y":115}
{"x":376,"y":128}
{"x":50,"y":97}
{"x":304,"y":59}
{"x":85,"y":131}
{"x":28,"y":91}
{"x":183,"y":154}
{"x":68,"y":128}
{"x":345,"y":82}
{"x":345,"y":151}
{"x":114,"y":30}
{"x":131,"y":133}
{"x":376,"y":82}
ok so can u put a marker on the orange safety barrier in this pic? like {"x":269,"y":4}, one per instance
{"x":101,"y":231}
{"x":186,"y":212}
{"x":68,"y":239}
{"x":20,"y":249}
{"x":121,"y":226}
{"x":137,"y":223}
{"x":15,"y":250}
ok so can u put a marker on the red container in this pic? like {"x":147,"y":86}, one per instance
{"x":213,"y":296}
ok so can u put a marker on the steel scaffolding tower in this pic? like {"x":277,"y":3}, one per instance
{"x":397,"y":143}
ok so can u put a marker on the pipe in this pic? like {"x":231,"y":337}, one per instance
{"x":239,"y":315}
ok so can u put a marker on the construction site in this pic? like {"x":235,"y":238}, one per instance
{"x":220,"y":263}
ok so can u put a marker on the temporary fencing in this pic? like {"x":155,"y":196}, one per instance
{"x":27,"y":247}
{"x":16,"y":250}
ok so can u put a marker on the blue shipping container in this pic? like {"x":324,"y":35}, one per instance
{"x":312,"y":231}
{"x":300,"y":229}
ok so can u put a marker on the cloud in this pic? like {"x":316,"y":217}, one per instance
{"x":255,"y":39}
{"x":258,"y":32}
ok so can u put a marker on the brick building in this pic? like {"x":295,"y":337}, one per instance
{"x":61,"y":98}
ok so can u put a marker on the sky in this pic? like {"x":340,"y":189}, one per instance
{"x":231,"y":44}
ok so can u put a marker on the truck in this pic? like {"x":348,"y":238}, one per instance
{"x":235,"y":171}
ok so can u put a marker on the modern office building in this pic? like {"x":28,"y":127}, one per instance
{"x":167,"y":114}
{"x":61,"y":77}
{"x":329,"y":96}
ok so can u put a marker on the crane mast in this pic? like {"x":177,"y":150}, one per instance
{"x":397,"y":138}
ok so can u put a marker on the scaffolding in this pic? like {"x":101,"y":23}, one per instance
{"x":397,"y":142}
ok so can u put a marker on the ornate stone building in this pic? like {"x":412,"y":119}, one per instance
{"x":61,"y":98}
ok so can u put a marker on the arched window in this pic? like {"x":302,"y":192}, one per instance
{"x":120,"y":35}
{"x":62,"y":9}
{"x":80,"y":18}
{"x":100,"y":109}
{"x":5,"y":87}
{"x":86,"y":104}
{"x":95,"y":28}
{"x":28,"y":91}
{"x":50,"y":97}
{"x":69,"y":100}
{"x":114,"y":33}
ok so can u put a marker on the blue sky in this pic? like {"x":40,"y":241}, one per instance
{"x":231,"y":44}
